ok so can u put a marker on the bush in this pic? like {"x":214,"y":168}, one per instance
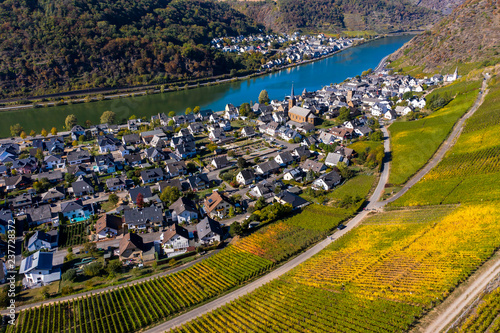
{"x":92,"y":269}
{"x":66,"y":290}
{"x":69,"y":275}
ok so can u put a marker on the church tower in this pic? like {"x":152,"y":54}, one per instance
{"x":291,"y":101}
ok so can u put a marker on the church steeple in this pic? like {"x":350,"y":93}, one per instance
{"x":291,"y":102}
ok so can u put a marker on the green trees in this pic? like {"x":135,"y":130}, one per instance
{"x":70,"y":121}
{"x":108,"y":117}
{"x":15,"y":130}
{"x":170,"y":194}
{"x":264,"y":97}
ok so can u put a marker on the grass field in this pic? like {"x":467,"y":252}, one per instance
{"x":380,"y":277}
{"x":413,"y":143}
{"x":470,"y":170}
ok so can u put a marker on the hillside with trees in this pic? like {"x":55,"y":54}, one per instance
{"x":338,"y":15}
{"x":470,"y":35}
{"x":57,"y":45}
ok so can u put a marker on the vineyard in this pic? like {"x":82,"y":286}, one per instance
{"x":380,"y":277}
{"x":413,"y":143}
{"x":470,"y":170}
{"x":73,"y":234}
{"x":131,"y":308}
{"x":486,"y":317}
{"x":280,"y":240}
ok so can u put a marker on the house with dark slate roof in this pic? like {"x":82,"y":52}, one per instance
{"x":144,"y":190}
{"x":183,"y":210}
{"x":143,"y":218}
{"x":152,"y":175}
{"x":43,"y":240}
{"x":209,"y":231}
{"x":38,"y":269}
{"x":83,"y":186}
{"x":41,"y":214}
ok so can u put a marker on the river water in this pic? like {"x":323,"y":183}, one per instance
{"x":311,"y":76}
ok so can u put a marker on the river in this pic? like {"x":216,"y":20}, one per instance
{"x":311,"y":76}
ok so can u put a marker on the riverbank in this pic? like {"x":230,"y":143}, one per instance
{"x":96,"y":95}
{"x":310,"y":75}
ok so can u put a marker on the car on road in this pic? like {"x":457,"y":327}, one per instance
{"x":341,"y":227}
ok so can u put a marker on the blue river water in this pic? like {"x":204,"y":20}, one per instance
{"x":311,"y":76}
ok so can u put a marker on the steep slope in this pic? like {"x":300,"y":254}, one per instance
{"x":57,"y":45}
{"x":471,"y":34}
{"x":338,"y":15}
{"x":444,"y":6}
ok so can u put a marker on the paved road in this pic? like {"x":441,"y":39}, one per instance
{"x":443,"y":149}
{"x":373,"y":203}
{"x":354,"y":222}
{"x":97,"y":291}
{"x":454,"y":309}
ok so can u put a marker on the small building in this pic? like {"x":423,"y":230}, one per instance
{"x":38,"y":269}
{"x":152,"y":175}
{"x":217,"y":205}
{"x":183,"y":210}
{"x":43,"y":240}
{"x":41,"y":214}
{"x":131,"y":248}
{"x":175,"y":240}
{"x":143,"y":218}
{"x":209,"y":231}
{"x":115,"y":184}
{"x":220,"y":162}
{"x":82,"y":186}
{"x":294,"y":200}
{"x":245,"y":177}
{"x":108,"y":226}
{"x":327,"y":181}
{"x":74,"y":211}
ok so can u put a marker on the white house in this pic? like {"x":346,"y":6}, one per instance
{"x":327,"y":181}
{"x":245,"y":177}
{"x":175,"y":240}
{"x":38,"y":270}
{"x":183,"y":210}
{"x":403,"y":110}
{"x":293,"y":174}
{"x":41,"y":240}
{"x":209,"y":231}
{"x":390,"y":114}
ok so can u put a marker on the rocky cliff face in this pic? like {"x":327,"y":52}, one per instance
{"x":443,"y":6}
{"x":470,"y":34}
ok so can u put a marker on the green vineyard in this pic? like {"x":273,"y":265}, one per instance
{"x":73,"y":234}
{"x":414,"y":142}
{"x":132,"y":308}
{"x":470,"y":170}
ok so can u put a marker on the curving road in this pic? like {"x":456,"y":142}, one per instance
{"x":355,"y":221}
{"x":373,"y":203}
{"x":443,"y":149}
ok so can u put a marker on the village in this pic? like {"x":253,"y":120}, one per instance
{"x":175,"y":186}
{"x":286,"y":49}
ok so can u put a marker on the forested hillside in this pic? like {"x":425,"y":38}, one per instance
{"x":338,"y":15}
{"x":60,"y":45}
{"x":471,"y":34}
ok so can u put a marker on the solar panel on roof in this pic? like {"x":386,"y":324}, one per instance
{"x":29,"y":263}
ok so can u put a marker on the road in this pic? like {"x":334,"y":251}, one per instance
{"x":354,"y":222}
{"x":97,"y":291}
{"x":373,"y":203}
{"x":459,"y":304}
{"x":443,"y":149}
